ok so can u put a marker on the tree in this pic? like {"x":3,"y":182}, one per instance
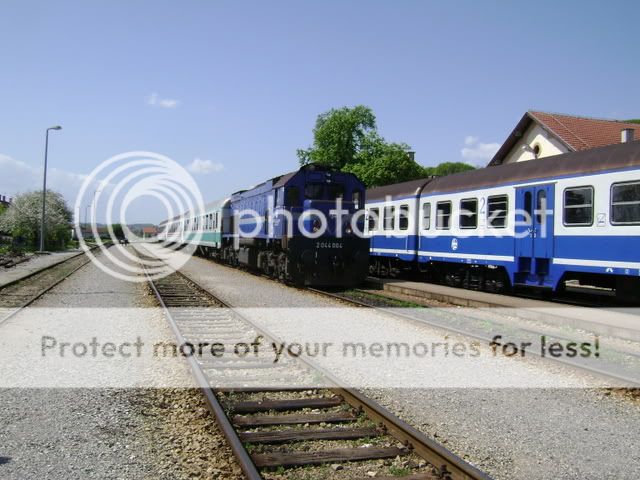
{"x":338,"y":136}
{"x":447,"y":168}
{"x":22,"y":219}
{"x":381,"y":163}
{"x":347,"y":139}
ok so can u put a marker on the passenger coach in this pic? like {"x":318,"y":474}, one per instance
{"x":535,"y":224}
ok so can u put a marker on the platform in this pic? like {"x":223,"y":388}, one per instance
{"x":619,"y":322}
{"x":35,"y":264}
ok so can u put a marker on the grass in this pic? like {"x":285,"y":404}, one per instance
{"x":387,"y":301}
{"x":399,"y":471}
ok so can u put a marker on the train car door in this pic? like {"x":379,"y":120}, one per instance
{"x":534,"y":229}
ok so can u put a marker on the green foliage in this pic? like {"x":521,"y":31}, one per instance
{"x":347,"y":139}
{"x":633,"y":120}
{"x":384,"y":163}
{"x":447,"y":168}
{"x":399,"y":471}
{"x":117,"y":230}
{"x":338,"y":136}
{"x":22,"y":220}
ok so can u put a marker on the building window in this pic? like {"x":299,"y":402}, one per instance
{"x":374,"y":219}
{"x":426,"y":216}
{"x":537,"y":150}
{"x":469,"y":213}
{"x":497,"y":208}
{"x":389,"y":218}
{"x":625,"y":203}
{"x":578,"y":206}
{"x":443,"y":215}
{"x":404,"y":217}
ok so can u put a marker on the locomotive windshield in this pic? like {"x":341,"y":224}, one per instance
{"x":320,"y":191}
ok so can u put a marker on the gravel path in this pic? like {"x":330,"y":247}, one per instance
{"x":510,"y":433}
{"x":108,"y":433}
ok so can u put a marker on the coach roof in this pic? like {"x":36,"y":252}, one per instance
{"x":611,"y":157}
{"x":398,"y":190}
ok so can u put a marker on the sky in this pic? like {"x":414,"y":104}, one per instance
{"x":230,"y":89}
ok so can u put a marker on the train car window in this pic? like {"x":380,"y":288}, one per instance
{"x":468,"y":213}
{"x":334,"y":191}
{"x":404,"y":217}
{"x":356,"y":197}
{"x":625,"y":203}
{"x":293,"y":196}
{"x":578,"y":206}
{"x":541,"y":206}
{"x":389,"y":218}
{"x":443,"y":215}
{"x":313,"y":191}
{"x":426,"y":216}
{"x":497,"y":207}
{"x":374,"y":219}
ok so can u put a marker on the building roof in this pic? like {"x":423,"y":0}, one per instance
{"x":576,"y":133}
{"x":149,"y":230}
{"x":610,"y":157}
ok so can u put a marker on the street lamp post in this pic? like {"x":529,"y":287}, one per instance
{"x":44,"y":185}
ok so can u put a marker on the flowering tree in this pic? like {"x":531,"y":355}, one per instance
{"x":22,"y":219}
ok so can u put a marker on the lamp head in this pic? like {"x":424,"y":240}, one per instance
{"x":56,"y":127}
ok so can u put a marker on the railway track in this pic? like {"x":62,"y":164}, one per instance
{"x":294,"y":419}
{"x":21,"y":293}
{"x":624,"y":373}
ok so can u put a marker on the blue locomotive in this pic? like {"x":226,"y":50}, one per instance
{"x":301,"y":228}
{"x":572,"y":218}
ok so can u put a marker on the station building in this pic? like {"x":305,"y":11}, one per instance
{"x":543,"y":134}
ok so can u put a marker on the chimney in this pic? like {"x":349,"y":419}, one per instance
{"x":626,"y":135}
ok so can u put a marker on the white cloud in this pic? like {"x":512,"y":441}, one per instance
{"x":204,"y":166}
{"x":155,"y":101}
{"x":20,"y":177}
{"x":475,"y":152}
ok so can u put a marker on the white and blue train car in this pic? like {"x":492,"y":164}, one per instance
{"x":535,"y":224}
{"x":200,"y":229}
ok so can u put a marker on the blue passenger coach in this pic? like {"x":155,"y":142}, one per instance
{"x":534,"y":224}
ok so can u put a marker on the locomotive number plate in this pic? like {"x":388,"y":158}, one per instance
{"x":320,"y":245}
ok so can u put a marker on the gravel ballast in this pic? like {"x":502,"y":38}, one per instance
{"x":127,"y":433}
{"x":535,"y":433}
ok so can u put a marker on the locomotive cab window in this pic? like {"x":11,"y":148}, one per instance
{"x":426,"y":216}
{"x":404,"y":217}
{"x":469,"y":213}
{"x":389,"y":218}
{"x":293,"y":196}
{"x":357,"y":198}
{"x":625,"y":203}
{"x":578,"y":206}
{"x":335,"y":191}
{"x":374,"y":219}
{"x":313,"y":191}
{"x":497,"y":207}
{"x":443,"y":215}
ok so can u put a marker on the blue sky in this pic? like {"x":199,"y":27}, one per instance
{"x":238,"y":84}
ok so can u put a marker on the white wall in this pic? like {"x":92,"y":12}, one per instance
{"x":535,"y":135}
